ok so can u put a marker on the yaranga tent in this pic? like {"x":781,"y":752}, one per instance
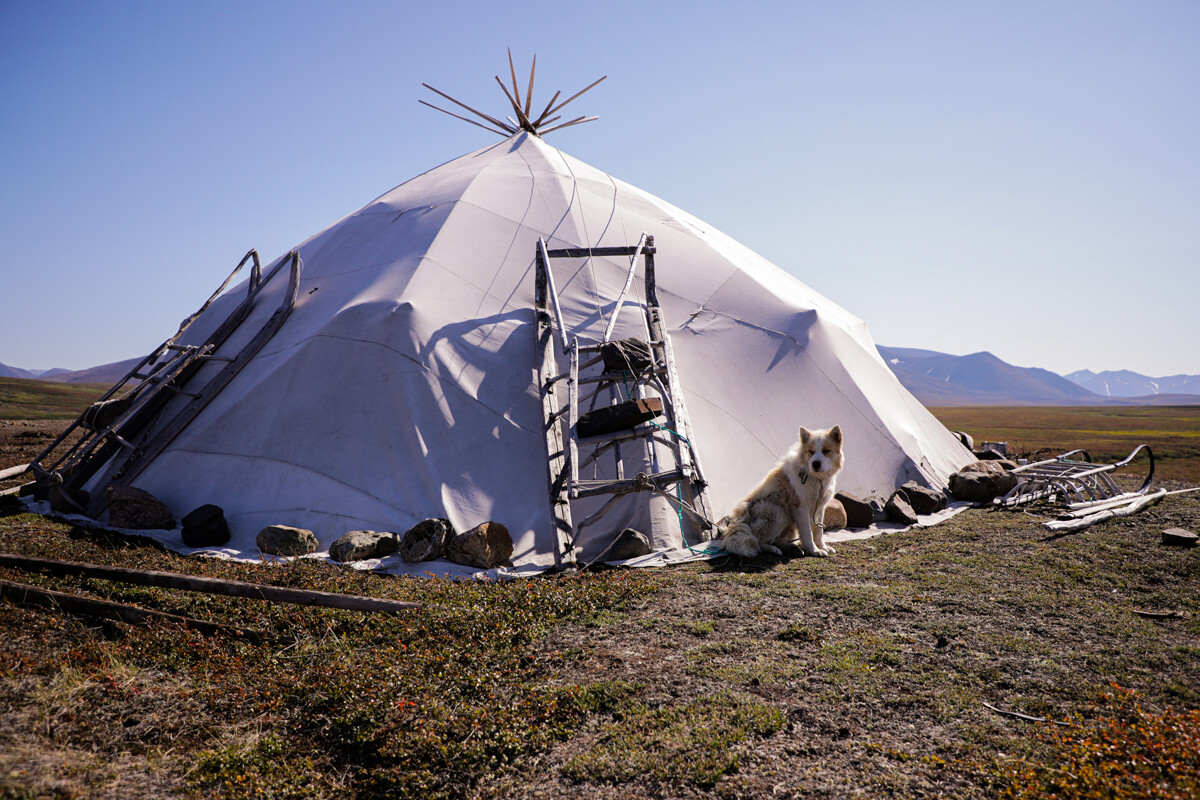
{"x":396,"y":377}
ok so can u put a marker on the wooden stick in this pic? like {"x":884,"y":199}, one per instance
{"x":12,"y":472}
{"x":1070,"y":526}
{"x":576,"y":121}
{"x":529,"y":91}
{"x":546,"y":111}
{"x":105,"y":609}
{"x":492,"y":120}
{"x":172,"y":580}
{"x":1021,"y":716}
{"x":572,"y":97}
{"x":513,"y":71}
{"x":516,"y":104}
{"x":1160,"y":614}
{"x":464,"y":119}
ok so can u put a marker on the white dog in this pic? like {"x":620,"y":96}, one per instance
{"x":790,"y":500}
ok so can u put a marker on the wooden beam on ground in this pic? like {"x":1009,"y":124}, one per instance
{"x":105,"y":609}
{"x":193,"y":583}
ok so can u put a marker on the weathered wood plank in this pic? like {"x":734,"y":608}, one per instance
{"x":194,"y":583}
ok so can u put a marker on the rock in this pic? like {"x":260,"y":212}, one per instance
{"x":898,"y":509}
{"x":835,"y":515}
{"x":923,"y":499}
{"x":136,"y":509}
{"x":859,"y":513}
{"x":284,"y":540}
{"x":1179,"y":537}
{"x":629,"y":544}
{"x":426,"y":540}
{"x":361,"y":545}
{"x":878,"y":512}
{"x":966,"y":439}
{"x":484,"y":546}
{"x":982,"y":482}
{"x":205,"y":527}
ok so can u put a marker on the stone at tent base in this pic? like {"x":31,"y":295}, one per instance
{"x":982,"y":482}
{"x":898,"y":509}
{"x":361,"y":545}
{"x":284,"y":540}
{"x":1179,"y":537}
{"x":485,"y":546}
{"x":835,"y":515}
{"x":136,"y":509}
{"x":859,"y":513}
{"x":205,"y":527}
{"x":426,"y":540}
{"x":922,"y":499}
{"x":629,"y":544}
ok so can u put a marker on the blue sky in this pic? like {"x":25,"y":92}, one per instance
{"x":1018,"y":177}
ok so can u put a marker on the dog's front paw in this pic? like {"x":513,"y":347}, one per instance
{"x":816,"y":553}
{"x":829,"y":549}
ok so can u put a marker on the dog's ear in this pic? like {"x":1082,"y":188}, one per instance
{"x":835,"y":433}
{"x":805,"y":435}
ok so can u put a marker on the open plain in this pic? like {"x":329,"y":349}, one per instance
{"x":896,"y":668}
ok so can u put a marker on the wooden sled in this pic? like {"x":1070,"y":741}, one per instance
{"x":1073,"y":480}
{"x":127,"y":417}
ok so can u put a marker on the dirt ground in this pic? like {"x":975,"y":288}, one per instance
{"x":22,"y":440}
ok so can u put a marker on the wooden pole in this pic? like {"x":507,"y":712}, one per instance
{"x":193,"y":583}
{"x":105,"y":609}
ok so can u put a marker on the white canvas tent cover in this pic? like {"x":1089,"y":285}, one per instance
{"x":403,"y":384}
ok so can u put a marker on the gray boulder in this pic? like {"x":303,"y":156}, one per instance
{"x":205,"y":527}
{"x":923,"y":499}
{"x":629,"y":544}
{"x":426,"y":540}
{"x":361,"y":545}
{"x":898,"y":509}
{"x":859,"y":513}
{"x":485,"y":546}
{"x":835,"y":515}
{"x":982,"y":482}
{"x":137,"y":509}
{"x":284,"y":540}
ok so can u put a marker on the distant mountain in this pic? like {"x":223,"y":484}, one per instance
{"x":16,"y":372}
{"x":1123,"y":383}
{"x":936,"y":379}
{"x":980,"y":379}
{"x":105,"y":373}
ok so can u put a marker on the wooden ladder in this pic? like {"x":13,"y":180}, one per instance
{"x":635,"y":427}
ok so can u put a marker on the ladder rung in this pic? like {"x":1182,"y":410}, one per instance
{"x":596,"y":348}
{"x":584,"y":252}
{"x":614,"y":377}
{"x":658,"y":480}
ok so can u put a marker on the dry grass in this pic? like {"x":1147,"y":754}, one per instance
{"x":1108,"y":433}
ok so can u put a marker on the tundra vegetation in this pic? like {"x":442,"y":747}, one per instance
{"x":879,"y":672}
